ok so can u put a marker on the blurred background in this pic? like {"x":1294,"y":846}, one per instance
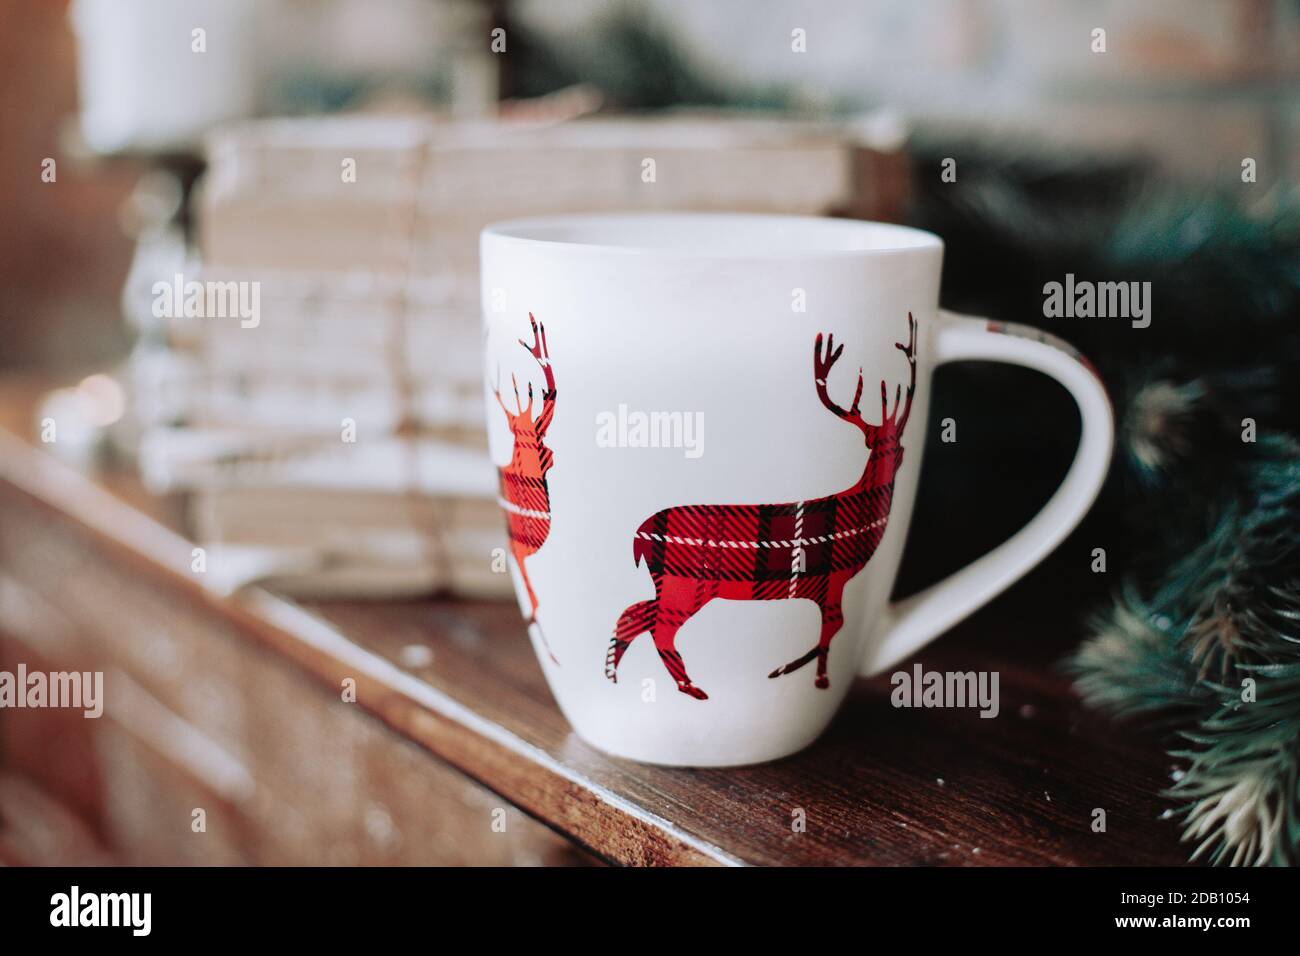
{"x":170,"y":141}
{"x":1191,"y":86}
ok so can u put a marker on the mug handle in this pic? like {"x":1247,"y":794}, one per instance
{"x":911,"y":623}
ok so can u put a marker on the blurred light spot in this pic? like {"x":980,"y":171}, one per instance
{"x":416,"y":656}
{"x":102,"y":400}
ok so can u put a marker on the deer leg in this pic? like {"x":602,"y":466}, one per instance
{"x":832,"y":621}
{"x":520,"y":553}
{"x":795,"y":664}
{"x":665,"y":635}
{"x":632,"y":623}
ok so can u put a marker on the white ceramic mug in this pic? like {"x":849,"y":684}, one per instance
{"x":707,"y":499}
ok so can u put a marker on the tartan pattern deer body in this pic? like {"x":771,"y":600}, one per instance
{"x":772,"y":552}
{"x":523,"y":493}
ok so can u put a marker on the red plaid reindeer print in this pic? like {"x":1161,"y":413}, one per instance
{"x":779,"y":552}
{"x":523,"y":493}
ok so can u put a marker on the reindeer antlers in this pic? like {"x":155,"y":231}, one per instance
{"x":908,"y":350}
{"x":541,"y":353}
{"x":538,"y":348}
{"x":822,"y":364}
{"x":825,"y":359}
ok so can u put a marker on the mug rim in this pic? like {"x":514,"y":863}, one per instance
{"x":790,"y":236}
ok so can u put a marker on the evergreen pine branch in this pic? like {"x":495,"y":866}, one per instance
{"x":1243,"y":773}
{"x":1133,"y":665}
{"x":1218,"y":640}
{"x":1212,"y":589}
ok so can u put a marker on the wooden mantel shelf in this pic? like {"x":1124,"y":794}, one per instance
{"x":884,"y":786}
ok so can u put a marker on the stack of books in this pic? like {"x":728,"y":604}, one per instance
{"x":312,"y":376}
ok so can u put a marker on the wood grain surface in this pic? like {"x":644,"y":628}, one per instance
{"x":885,"y":785}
